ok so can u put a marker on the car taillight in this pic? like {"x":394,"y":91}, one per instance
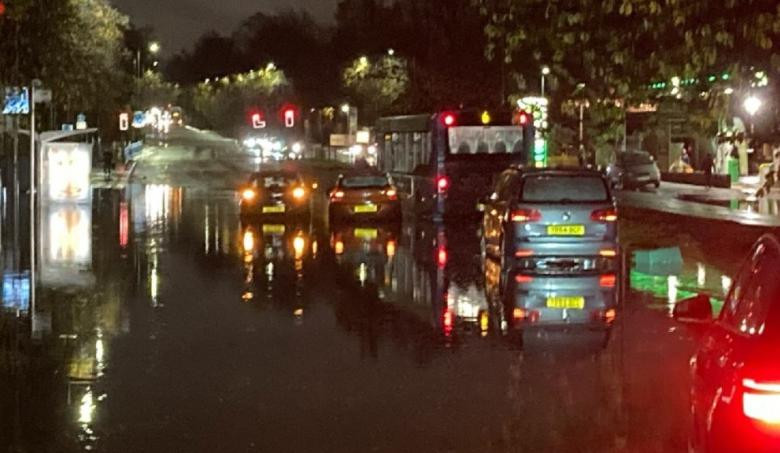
{"x":520,"y":314}
{"x":526,"y":215}
{"x":248,"y":194}
{"x":608,"y":253}
{"x":443,"y":183}
{"x":761,"y":401}
{"x":337,"y":195}
{"x":391,"y":194}
{"x":298,"y":193}
{"x":604,"y":215}
{"x":521,"y":278}
{"x":607,"y":280}
{"x":523,"y":253}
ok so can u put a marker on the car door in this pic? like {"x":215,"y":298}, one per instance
{"x":725,"y":344}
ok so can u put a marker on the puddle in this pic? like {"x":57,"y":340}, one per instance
{"x":748,"y":203}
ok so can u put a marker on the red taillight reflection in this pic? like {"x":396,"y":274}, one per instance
{"x":608,"y":253}
{"x":448,"y":320}
{"x":391,"y":194}
{"x":443,"y":183}
{"x":608,"y":281}
{"x":604,"y":215}
{"x":521,"y":278}
{"x":520,"y":314}
{"x":526,"y":215}
{"x":524,"y":253}
{"x":761,"y":401}
{"x":441,"y":257}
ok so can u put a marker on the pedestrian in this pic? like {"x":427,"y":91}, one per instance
{"x":707,"y":165}
{"x":108,"y":162}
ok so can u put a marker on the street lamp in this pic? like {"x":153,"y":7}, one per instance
{"x":154,"y":47}
{"x":345,"y":108}
{"x":391,"y":52}
{"x":752,"y":105}
{"x":545,"y":73}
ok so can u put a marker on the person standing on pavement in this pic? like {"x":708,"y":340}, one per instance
{"x":707,"y":165}
{"x":108,"y":162}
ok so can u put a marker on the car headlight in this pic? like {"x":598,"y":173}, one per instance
{"x":248,"y":195}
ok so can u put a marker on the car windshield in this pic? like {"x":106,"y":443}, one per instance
{"x":630,"y":159}
{"x":466,"y":140}
{"x":359,"y":182}
{"x":563,"y":189}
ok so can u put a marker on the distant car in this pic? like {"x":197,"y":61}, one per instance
{"x":364,"y":196}
{"x":735,"y":397}
{"x":633,"y":169}
{"x":275,"y":194}
{"x":551,"y":221}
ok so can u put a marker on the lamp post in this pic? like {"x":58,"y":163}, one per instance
{"x":154,"y":49}
{"x":545,"y":73}
{"x":752,"y":105}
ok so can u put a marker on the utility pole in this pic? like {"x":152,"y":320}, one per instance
{"x":33,"y":190}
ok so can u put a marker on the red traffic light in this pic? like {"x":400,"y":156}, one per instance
{"x":448,"y":119}
{"x":521,"y":118}
{"x":289,"y":115}
{"x":2,"y":8}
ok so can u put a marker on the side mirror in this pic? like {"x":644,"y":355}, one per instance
{"x":697,"y":309}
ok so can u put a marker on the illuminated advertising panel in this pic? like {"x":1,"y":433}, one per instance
{"x":66,"y":236}
{"x":66,"y":177}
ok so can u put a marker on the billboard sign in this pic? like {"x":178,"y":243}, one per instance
{"x":16,"y":291}
{"x":67,"y":168}
{"x":16,"y":101}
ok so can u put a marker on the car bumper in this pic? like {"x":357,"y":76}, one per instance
{"x":384,"y":211}
{"x":276,"y":211}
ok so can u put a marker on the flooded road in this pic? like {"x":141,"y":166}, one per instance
{"x":164,"y":324}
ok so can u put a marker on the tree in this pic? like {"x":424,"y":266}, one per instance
{"x":151,"y":90}
{"x":377,"y":87}
{"x":618,"y":48}
{"x":222,"y":103}
{"x":74,"y":47}
{"x":213,"y":56}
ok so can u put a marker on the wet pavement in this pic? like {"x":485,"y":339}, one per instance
{"x":163,"y":324}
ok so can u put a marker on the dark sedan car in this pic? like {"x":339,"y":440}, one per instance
{"x":364,"y":196}
{"x":275,"y":194}
{"x":633,"y":169}
{"x":736,"y":372}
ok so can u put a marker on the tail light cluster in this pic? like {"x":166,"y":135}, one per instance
{"x":526,"y":216}
{"x":336,"y":195}
{"x":609,"y":215}
{"x":248,"y":195}
{"x":391,"y":194}
{"x":761,"y":401}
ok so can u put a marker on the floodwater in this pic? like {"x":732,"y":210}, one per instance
{"x":161,"y":323}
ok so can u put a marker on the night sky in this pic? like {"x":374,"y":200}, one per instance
{"x":178,"y":23}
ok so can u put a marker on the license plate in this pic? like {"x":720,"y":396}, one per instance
{"x":273,"y":229}
{"x":366,"y":208}
{"x":273,"y":209}
{"x":366,"y":233}
{"x":566,"y":230}
{"x":568,"y":302}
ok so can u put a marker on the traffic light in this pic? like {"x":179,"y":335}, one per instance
{"x":2,"y":8}
{"x":257,"y":119}
{"x":289,"y":117}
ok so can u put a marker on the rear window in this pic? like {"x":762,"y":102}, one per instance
{"x":635,"y":159}
{"x":356,"y":182}
{"x":275,"y":180}
{"x":563,"y":189}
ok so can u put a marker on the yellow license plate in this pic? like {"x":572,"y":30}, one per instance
{"x":366,"y":208}
{"x":366,"y":233}
{"x":274,"y":209}
{"x":566,"y":230}
{"x":273,"y":229}
{"x":568,"y":302}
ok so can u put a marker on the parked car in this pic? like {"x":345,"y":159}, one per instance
{"x":633,"y":169}
{"x":275,"y":194}
{"x":551,"y":221}
{"x":735,"y":397}
{"x":364,"y":195}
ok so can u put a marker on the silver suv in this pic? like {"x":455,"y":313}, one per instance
{"x":551,"y":221}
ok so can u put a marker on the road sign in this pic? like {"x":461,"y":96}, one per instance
{"x":81,"y":122}
{"x":139,"y":119}
{"x":42,"y":96}
{"x":124,"y":121}
{"x":16,"y":101}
